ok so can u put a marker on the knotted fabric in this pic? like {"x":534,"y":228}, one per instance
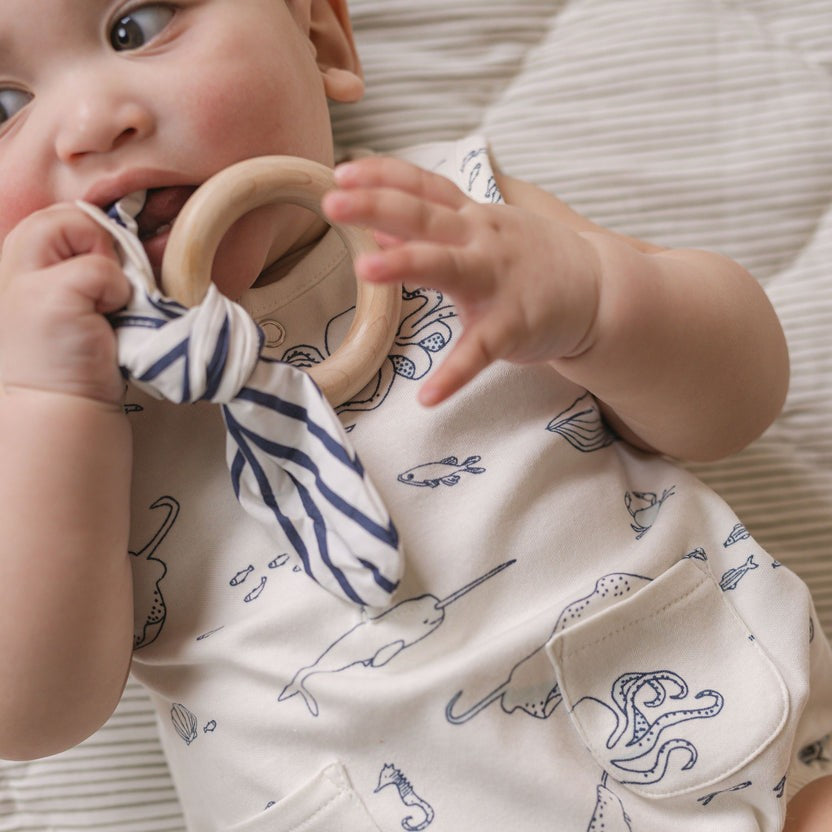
{"x":291,"y":463}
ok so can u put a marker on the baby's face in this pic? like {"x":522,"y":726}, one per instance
{"x":99,"y":98}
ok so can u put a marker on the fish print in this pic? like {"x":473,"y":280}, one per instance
{"x":706,"y":799}
{"x":445,"y":472}
{"x":738,"y":533}
{"x":732,"y":577}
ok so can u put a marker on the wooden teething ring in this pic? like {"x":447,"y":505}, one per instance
{"x":217,"y":204}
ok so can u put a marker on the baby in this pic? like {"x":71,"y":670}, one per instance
{"x":585,"y":637}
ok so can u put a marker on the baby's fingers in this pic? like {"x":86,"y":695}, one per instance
{"x":472,"y":354}
{"x":396,"y":214}
{"x":387,"y":172}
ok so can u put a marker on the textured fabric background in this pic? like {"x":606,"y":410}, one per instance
{"x":687,"y":122}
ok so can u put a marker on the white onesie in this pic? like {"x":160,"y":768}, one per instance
{"x":584,"y":638}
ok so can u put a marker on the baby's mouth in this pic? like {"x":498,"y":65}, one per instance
{"x":160,"y":210}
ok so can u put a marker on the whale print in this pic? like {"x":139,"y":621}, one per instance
{"x":609,"y":814}
{"x":637,"y":750}
{"x":732,"y":577}
{"x":378,"y":639}
{"x":391,"y":776}
{"x":445,"y":472}
{"x":582,"y":425}
{"x":644,"y":507}
{"x":148,"y":571}
{"x":532,"y":686}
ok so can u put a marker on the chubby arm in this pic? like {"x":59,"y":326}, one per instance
{"x":810,"y":810}
{"x":65,"y":593}
{"x":681,"y":347}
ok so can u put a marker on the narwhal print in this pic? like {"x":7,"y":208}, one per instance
{"x":150,"y":610}
{"x":379,"y":639}
{"x":532,"y":685}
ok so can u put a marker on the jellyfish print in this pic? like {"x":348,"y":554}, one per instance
{"x":184,"y":723}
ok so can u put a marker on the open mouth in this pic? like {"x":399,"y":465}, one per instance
{"x":161,"y":208}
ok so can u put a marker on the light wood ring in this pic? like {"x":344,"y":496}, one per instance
{"x":217,"y":204}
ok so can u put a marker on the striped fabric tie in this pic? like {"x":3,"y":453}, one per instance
{"x":292,"y":466}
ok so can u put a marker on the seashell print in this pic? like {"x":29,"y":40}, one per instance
{"x":581,"y":426}
{"x":184,"y":723}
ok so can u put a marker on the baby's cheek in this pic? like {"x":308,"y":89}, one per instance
{"x":19,"y":201}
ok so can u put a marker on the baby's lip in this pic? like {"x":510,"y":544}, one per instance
{"x":161,"y":208}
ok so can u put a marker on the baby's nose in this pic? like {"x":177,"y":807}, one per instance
{"x":99,"y":123}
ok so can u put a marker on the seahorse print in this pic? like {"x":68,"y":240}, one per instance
{"x":422,"y":333}
{"x":609,"y":814}
{"x":643,"y":758}
{"x":531,"y":686}
{"x":391,"y":776}
{"x":582,"y":425}
{"x":378,"y":639}
{"x":148,"y":571}
{"x":644,"y":507}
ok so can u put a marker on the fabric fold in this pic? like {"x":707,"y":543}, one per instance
{"x":291,"y":464}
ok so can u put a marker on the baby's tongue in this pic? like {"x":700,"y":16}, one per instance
{"x":162,"y":207}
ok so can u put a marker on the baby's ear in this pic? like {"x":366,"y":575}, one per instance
{"x":331,"y":34}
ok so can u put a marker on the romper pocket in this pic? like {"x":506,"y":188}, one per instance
{"x":668,"y":689}
{"x":327,"y":803}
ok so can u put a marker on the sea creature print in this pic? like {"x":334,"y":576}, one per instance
{"x":698,"y":554}
{"x":242,"y":576}
{"x":609,"y":814}
{"x":391,"y":776}
{"x":184,"y":723}
{"x":473,"y":168}
{"x":378,"y":639}
{"x":780,"y":789}
{"x":708,"y":798}
{"x":582,"y":425}
{"x":636,"y":746}
{"x":531,"y":686}
{"x":148,"y":571}
{"x":423,"y":332}
{"x":814,"y":752}
{"x":732,"y":577}
{"x":644,"y":507}
{"x":738,"y":533}
{"x":445,"y":472}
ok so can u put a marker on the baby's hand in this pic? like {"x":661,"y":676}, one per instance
{"x":59,"y":276}
{"x":526,"y":287}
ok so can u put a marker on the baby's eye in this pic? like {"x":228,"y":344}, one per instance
{"x":139,"y":26}
{"x":11,"y":101}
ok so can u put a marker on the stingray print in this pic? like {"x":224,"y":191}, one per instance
{"x":445,"y":472}
{"x":532,"y":686}
{"x":148,"y":571}
{"x":391,"y":776}
{"x":423,"y":325}
{"x":732,"y":577}
{"x":582,"y":426}
{"x":644,"y":507}
{"x":634,"y":744}
{"x":609,"y":814}
{"x":378,"y":639}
